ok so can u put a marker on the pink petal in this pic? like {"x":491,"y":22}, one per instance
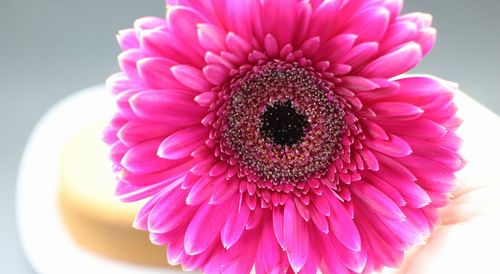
{"x":295,"y":235}
{"x":241,"y":257}
{"x":321,"y":203}
{"x":238,"y":45}
{"x":185,"y":20}
{"x":342,"y":225}
{"x":215,"y":74}
{"x":369,"y":24}
{"x":397,"y":175}
{"x":378,"y":201}
{"x":177,"y":170}
{"x":155,"y":73}
{"x":127,"y":39}
{"x":398,"y":34}
{"x":449,"y":158}
{"x":422,"y":20}
{"x":336,"y":47}
{"x":203,"y":167}
{"x":271,"y":45}
{"x":269,"y":252}
{"x":128,"y":193}
{"x":360,"y":54}
{"x":324,"y":15}
{"x":218,"y":169}
{"x":395,"y":62}
{"x":234,"y":226}
{"x":200,"y":236}
{"x":133,"y":133}
{"x":320,"y":221}
{"x":211,"y":37}
{"x":201,"y":190}
{"x":427,"y":39}
{"x":191,"y":77}
{"x":128,"y":62}
{"x":369,"y":159}
{"x":421,"y":128}
{"x":223,"y":191}
{"x":118,"y":82}
{"x":385,"y":187}
{"x":167,"y":107}
{"x":331,"y":262}
{"x":142,"y":158}
{"x":162,"y":43}
{"x":396,"y":110}
{"x":206,"y":98}
{"x":355,"y":261}
{"x":243,"y":18}
{"x":395,"y":146}
{"x":183,"y":142}
{"x":170,"y":212}
{"x":311,"y":46}
{"x":278,"y":225}
{"x":358,"y":83}
{"x":277,"y":13}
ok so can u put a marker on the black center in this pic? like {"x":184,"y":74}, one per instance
{"x":283,"y":124}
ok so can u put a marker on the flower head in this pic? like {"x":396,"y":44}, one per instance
{"x":278,"y":134}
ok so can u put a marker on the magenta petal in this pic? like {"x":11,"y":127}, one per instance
{"x":378,"y":201}
{"x":395,"y":146}
{"x":320,"y":221}
{"x":398,"y":34}
{"x":360,"y":54}
{"x":396,"y":110}
{"x":295,"y":235}
{"x":128,"y":62}
{"x":182,"y":143}
{"x":223,"y":191}
{"x":215,"y":74}
{"x":343,"y":226}
{"x":191,"y":77}
{"x":133,"y":133}
{"x":395,"y":62}
{"x":166,"y":107}
{"x":142,"y":158}
{"x":370,"y":24}
{"x":211,"y":37}
{"x":129,"y":193}
{"x":234,"y":226}
{"x":170,"y":212}
{"x":200,"y":236}
{"x":269,"y":252}
{"x":278,"y":226}
{"x":427,"y":39}
{"x":201,"y":190}
{"x":355,"y":261}
{"x":358,"y":83}
{"x":127,"y":39}
{"x":156,"y":73}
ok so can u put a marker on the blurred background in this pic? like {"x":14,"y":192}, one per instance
{"x":50,"y":49}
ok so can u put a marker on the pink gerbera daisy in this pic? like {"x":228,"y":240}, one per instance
{"x":277,"y":134}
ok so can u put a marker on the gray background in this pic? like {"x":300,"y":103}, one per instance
{"x":51,"y":48}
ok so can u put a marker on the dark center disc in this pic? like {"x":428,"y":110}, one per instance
{"x":283,"y":124}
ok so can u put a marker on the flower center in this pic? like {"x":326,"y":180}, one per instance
{"x":279,"y":123}
{"x":283,"y":124}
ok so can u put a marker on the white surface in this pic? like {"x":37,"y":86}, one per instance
{"x":45,"y":240}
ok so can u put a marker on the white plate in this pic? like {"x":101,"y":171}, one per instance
{"x":45,"y":240}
